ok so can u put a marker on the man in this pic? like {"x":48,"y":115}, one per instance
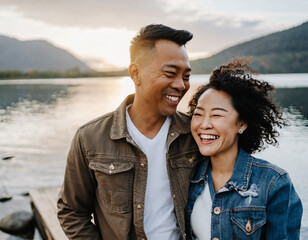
{"x":131,"y":168}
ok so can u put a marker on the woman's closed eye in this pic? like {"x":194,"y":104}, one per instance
{"x":196,"y":114}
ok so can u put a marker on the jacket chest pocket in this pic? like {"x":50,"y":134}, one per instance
{"x":184,"y":166}
{"x":247,"y":223}
{"x":114,"y":184}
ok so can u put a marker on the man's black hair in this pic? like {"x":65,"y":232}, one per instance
{"x":148,"y":35}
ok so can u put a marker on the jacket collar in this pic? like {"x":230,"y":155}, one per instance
{"x":119,"y":128}
{"x":242,"y":171}
{"x":240,"y":175}
{"x":201,"y":173}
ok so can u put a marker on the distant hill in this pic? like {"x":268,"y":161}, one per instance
{"x":280,"y":52}
{"x":36,"y":54}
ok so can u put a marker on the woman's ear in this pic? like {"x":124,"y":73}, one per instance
{"x":133,"y":71}
{"x":242,"y":126}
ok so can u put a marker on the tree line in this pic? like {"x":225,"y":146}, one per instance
{"x":70,"y":73}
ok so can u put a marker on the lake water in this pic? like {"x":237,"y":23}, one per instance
{"x":38,"y":119}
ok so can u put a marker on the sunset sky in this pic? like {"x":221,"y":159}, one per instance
{"x":99,"y":31}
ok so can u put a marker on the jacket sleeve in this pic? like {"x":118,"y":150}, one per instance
{"x":284,"y":211}
{"x":77,"y":196}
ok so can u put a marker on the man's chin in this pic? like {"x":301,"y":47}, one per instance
{"x":169,"y":112}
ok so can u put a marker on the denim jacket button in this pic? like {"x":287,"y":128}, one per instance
{"x":217,"y":210}
{"x":139,"y":206}
{"x":191,"y":160}
{"x":142,"y":165}
{"x":172,"y":134}
{"x":248,"y":226}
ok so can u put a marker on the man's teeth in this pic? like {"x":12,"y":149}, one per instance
{"x":208,"y":137}
{"x":172,"y":98}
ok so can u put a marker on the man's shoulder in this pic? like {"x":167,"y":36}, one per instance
{"x":181,"y":122}
{"x":100,"y":121}
{"x":183,"y":115}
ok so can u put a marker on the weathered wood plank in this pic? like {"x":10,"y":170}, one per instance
{"x":44,"y":206}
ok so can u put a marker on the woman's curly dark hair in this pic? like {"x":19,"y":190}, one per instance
{"x":251,"y":98}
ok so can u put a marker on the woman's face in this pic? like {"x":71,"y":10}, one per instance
{"x":215,"y":124}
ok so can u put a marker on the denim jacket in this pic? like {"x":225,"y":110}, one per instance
{"x":258,"y":202}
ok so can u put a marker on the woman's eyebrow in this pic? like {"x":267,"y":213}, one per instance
{"x":200,"y":108}
{"x":221,"y":109}
{"x":215,"y":108}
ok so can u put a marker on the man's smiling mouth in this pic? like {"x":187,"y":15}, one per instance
{"x":173,"y":98}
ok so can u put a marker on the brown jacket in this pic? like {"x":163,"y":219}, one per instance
{"x":106,"y":176}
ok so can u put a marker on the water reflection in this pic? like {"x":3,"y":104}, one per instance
{"x":295,"y":101}
{"x":43,"y":93}
{"x":39,"y":118}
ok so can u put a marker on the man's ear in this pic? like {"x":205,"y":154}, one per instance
{"x":133,"y":71}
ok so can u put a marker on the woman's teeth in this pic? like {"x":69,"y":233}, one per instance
{"x":208,"y":137}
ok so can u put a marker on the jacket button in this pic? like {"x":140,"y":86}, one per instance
{"x":217,"y":210}
{"x":191,"y":160}
{"x":142,"y":165}
{"x":172,"y":134}
{"x":248,"y":226}
{"x":111,"y":168}
{"x":139,"y":206}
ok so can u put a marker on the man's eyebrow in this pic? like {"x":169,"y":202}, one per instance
{"x":176,"y":67}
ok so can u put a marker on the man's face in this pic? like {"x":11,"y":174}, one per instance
{"x":164,"y":78}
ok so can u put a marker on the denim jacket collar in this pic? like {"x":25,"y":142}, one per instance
{"x":119,"y":128}
{"x":202,"y":171}
{"x":242,"y":171}
{"x":240,"y":175}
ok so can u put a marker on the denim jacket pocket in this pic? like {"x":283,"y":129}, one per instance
{"x":247,"y":223}
{"x":114,"y":184}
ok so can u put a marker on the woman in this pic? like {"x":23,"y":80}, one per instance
{"x":233,"y":194}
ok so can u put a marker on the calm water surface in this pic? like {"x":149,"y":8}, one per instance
{"x":38,"y":119}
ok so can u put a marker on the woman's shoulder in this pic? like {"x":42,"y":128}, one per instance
{"x":268,"y":166}
{"x":274,"y":177}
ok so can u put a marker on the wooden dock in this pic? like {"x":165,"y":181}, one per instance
{"x":44,"y":207}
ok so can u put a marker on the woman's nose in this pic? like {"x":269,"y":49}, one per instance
{"x":206,"y":123}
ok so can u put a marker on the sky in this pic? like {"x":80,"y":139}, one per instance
{"x":99,"y":31}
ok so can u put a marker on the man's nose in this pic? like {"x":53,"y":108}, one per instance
{"x":179,"y":84}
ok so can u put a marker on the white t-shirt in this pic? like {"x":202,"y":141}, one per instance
{"x":201,"y":215}
{"x":159,"y":216}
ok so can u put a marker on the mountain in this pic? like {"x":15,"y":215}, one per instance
{"x":281,"y":52}
{"x":36,"y":54}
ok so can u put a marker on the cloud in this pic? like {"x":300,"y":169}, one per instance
{"x":90,"y":13}
{"x":215,"y":25}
